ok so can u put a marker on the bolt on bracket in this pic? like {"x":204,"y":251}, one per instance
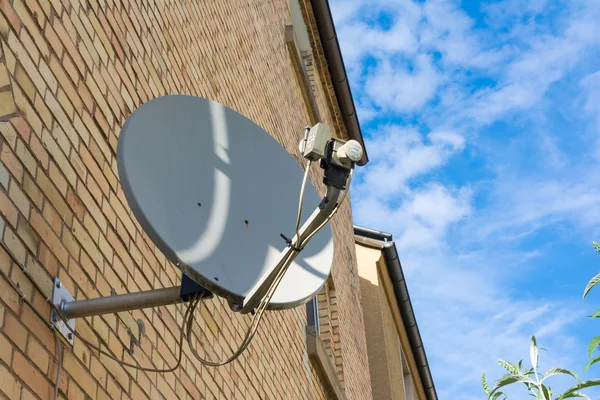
{"x":60,"y":294}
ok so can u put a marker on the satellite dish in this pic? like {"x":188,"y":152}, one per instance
{"x":214,"y":192}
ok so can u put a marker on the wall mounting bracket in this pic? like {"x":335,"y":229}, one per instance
{"x":60,"y":294}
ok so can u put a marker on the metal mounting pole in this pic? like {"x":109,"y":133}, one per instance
{"x":119,"y":303}
{"x":70,"y":309}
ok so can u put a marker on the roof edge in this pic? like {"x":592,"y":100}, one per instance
{"x":339,"y":78}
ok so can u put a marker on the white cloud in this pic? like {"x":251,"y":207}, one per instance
{"x":400,"y":154}
{"x":421,"y":219}
{"x":402,"y":87}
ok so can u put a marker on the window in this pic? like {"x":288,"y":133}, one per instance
{"x":298,"y":43}
{"x":323,"y":337}
{"x":330,"y":328}
{"x":408,"y":382}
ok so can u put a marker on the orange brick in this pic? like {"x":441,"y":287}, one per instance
{"x":85,"y":94}
{"x":28,"y":373}
{"x":40,"y":277}
{"x":87,"y":243}
{"x":49,"y":237}
{"x":15,"y":331}
{"x":12,"y":163}
{"x":68,"y":45}
{"x":8,"y":383}
{"x":75,"y":369}
{"x":48,"y":260}
{"x":71,"y":244}
{"x":38,"y":355}
{"x":81,"y":130}
{"x":54,"y":40}
{"x":11,"y":15}
{"x":78,"y":165}
{"x":75,"y":392}
{"x":7,"y":104}
{"x":70,"y":68}
{"x":26,"y":157}
{"x":28,"y":59}
{"x":53,"y":218}
{"x":9,"y":133}
{"x":26,"y":394}
{"x":33,"y":28}
{"x":97,"y":135}
{"x":12,"y":241}
{"x":28,"y":236}
{"x":4,"y":79}
{"x":98,"y":371}
{"x":38,"y":327}
{"x":8,"y":209}
{"x":27,"y":110}
{"x":91,"y":205}
{"x":58,"y":178}
{"x":70,"y":100}
{"x":43,"y":111}
{"x":92,"y":228}
{"x":21,"y":126}
{"x":54,"y":197}
{"x":6,"y":349}
{"x":75,"y":203}
{"x":26,"y":83}
{"x":48,"y":76}
{"x":37,"y":12}
{"x":38,"y":150}
{"x":19,"y":199}
{"x":94,"y":170}
{"x":94,"y":149}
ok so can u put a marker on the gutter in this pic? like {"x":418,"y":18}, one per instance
{"x":339,"y":78}
{"x":392,"y":262}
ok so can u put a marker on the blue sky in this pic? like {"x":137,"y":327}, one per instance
{"x":482,"y":122}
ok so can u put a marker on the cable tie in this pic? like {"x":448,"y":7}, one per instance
{"x":288,"y":241}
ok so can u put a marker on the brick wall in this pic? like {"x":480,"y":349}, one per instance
{"x":70,"y":74}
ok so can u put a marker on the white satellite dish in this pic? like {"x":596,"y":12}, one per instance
{"x":217,"y":195}
{"x":214,"y":192}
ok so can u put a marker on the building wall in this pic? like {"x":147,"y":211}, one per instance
{"x":389,"y":351}
{"x":70,"y":74}
{"x":371,"y":300}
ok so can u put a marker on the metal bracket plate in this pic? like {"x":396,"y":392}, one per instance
{"x":60,"y":294}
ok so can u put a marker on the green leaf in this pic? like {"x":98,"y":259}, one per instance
{"x":593,"y":282}
{"x":555,"y":371}
{"x":592,"y":362}
{"x":510,"y":367}
{"x":582,"y":385}
{"x":573,"y":395}
{"x":510,"y":380}
{"x":484,"y":384}
{"x":495,"y":396}
{"x":533,"y":352}
{"x":588,"y":383}
{"x":544,"y":393}
{"x":593,"y":345}
{"x":596,"y":314}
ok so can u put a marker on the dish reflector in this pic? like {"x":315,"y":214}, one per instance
{"x":214,"y":191}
